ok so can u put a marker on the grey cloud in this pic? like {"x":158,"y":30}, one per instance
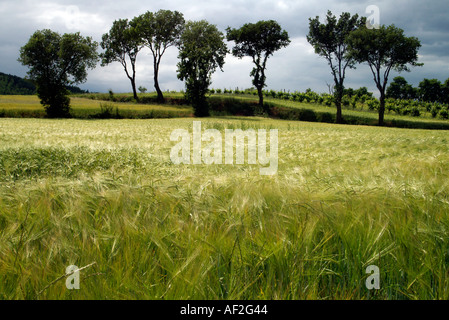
{"x":292,"y":68}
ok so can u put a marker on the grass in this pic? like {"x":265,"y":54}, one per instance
{"x":118,"y":106}
{"x":85,"y":108}
{"x":105,"y":191}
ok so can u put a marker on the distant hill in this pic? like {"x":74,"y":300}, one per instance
{"x":10,"y":84}
{"x":13,"y":85}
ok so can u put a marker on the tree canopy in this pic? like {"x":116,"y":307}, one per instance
{"x":400,"y":89}
{"x":431,"y":90}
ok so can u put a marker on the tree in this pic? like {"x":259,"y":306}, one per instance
{"x":329,"y":41}
{"x":430,"y":90}
{"x":400,"y":89}
{"x":201,"y":51}
{"x":159,"y":31}
{"x":56,"y":62}
{"x":258,"y":41}
{"x":383,"y":49}
{"x":142,"y":89}
{"x":445,"y":92}
{"x":123,"y":42}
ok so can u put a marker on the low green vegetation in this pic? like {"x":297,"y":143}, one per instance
{"x":308,"y":106}
{"x":93,"y":108}
{"x":76,"y":192}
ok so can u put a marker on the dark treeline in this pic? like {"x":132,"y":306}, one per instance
{"x":428,"y":90}
{"x":14,"y":85}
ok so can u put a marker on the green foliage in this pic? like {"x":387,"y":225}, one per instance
{"x":430,"y":90}
{"x":444,"y":113}
{"x":373,"y":104}
{"x":400,"y":89}
{"x":435,"y":110}
{"x":10,"y":84}
{"x":346,"y":101}
{"x":13,"y":85}
{"x":55,"y":100}
{"x":55,"y":62}
{"x":201,"y":51}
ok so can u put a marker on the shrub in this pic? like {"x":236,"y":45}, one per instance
{"x":346,"y":100}
{"x":111,"y":95}
{"x":373,"y":104}
{"x":435,"y":110}
{"x":444,"y":114}
{"x":414,"y":111}
{"x":326,"y":117}
{"x":107,"y":112}
{"x":301,"y":97}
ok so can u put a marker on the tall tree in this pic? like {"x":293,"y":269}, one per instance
{"x":384,"y":49}
{"x":123,"y":42}
{"x":430,"y":90}
{"x":329,"y":41}
{"x":445,"y":92}
{"x":400,"y":89}
{"x":159,"y":31}
{"x":201,"y":51}
{"x":56,"y":62}
{"x":258,"y":41}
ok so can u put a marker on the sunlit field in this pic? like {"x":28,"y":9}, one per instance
{"x":78,"y":192}
{"x":29,"y":106}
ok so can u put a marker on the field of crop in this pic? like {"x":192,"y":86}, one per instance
{"x":82,"y":108}
{"x":77,"y":192}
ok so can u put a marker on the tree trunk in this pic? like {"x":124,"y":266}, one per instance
{"x":260,"y":93}
{"x":133,"y":84}
{"x":338,"y":98}
{"x":381,"y":108}
{"x":160,"y":96}
{"x":339,"y":118}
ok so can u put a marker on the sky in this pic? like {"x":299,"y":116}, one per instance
{"x":294,"y":68}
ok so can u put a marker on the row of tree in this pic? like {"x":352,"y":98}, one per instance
{"x":201,"y":49}
{"x":428,"y":90}
{"x":56,"y":61}
{"x":349,"y":40}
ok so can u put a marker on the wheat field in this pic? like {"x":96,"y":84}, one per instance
{"x":104,"y":194}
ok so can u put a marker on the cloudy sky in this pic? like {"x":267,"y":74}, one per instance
{"x":296,"y":67}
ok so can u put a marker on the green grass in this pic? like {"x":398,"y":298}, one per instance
{"x":103,"y":106}
{"x":105,"y":191}
{"x":84,"y":108}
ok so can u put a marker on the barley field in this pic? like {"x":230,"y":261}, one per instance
{"x":104,"y":194}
